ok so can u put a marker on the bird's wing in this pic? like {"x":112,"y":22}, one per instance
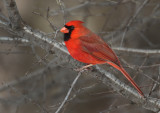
{"x":96,"y":47}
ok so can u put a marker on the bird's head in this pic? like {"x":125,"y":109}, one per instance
{"x":69,"y":27}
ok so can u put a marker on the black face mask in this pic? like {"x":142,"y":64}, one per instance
{"x":67,"y":36}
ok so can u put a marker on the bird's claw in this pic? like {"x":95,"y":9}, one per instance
{"x":80,"y":69}
{"x":87,"y":67}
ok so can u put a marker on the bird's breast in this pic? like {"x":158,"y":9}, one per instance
{"x":73,"y":46}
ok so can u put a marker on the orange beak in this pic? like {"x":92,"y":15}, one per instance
{"x":64,"y":30}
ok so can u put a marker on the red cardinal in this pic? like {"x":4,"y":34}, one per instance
{"x":85,"y":46}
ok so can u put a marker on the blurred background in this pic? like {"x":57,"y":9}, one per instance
{"x":121,"y":23}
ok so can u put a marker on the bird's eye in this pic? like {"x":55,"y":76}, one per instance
{"x":72,"y":27}
{"x":69,"y":27}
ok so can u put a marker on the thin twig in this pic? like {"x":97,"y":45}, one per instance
{"x":142,"y":51}
{"x":42,"y":108}
{"x":60,"y":3}
{"x":46,"y":18}
{"x":132,"y":19}
{"x":85,"y":3}
{"x":69,"y":92}
{"x":146,"y":39}
{"x":38,"y":72}
{"x":114,"y":108}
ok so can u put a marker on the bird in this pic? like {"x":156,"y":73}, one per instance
{"x":87,"y":47}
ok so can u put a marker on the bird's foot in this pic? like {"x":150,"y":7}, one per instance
{"x":84,"y":67}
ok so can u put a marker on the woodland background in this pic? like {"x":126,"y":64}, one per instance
{"x":35,"y":76}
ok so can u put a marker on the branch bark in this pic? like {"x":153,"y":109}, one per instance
{"x":13,"y":13}
{"x":142,"y":51}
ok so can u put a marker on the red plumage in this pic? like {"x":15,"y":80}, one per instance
{"x":87,"y":47}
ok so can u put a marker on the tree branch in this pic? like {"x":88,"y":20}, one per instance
{"x":69,"y":92}
{"x":142,"y":51}
{"x":13,"y":13}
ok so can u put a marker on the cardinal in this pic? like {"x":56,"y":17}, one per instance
{"x":87,"y":47}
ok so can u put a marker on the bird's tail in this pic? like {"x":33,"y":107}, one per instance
{"x":121,"y":69}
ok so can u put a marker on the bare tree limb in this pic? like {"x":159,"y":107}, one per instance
{"x":69,"y":92}
{"x":142,"y":51}
{"x":13,"y":39}
{"x":13,"y":13}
